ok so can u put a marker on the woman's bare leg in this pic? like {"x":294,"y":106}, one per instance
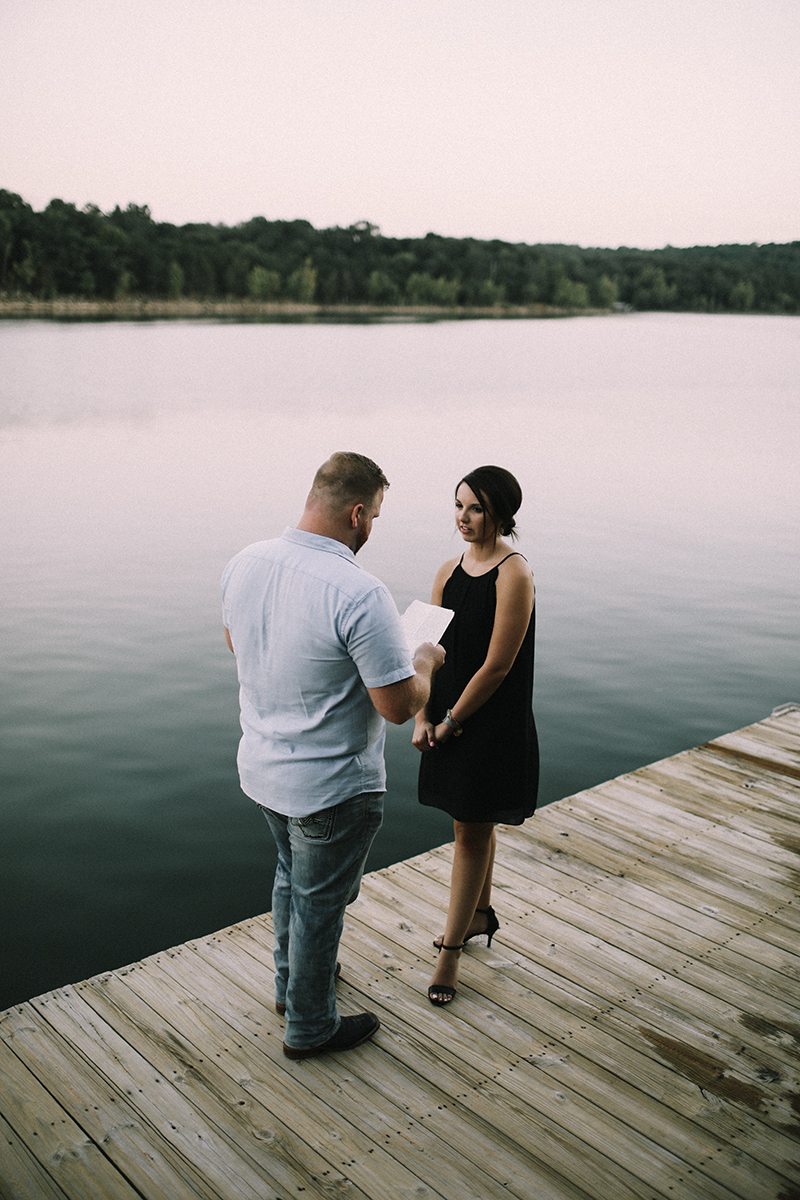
{"x":485,"y":898}
{"x":478,"y":922}
{"x":470,"y":888}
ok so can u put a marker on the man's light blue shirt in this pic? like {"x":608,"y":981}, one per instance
{"x":311,"y":632}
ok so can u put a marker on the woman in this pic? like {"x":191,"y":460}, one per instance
{"x":480,"y":756}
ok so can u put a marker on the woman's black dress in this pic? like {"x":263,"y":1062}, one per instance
{"x":490,"y":772}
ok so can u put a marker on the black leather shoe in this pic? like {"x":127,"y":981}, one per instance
{"x":352,"y":1032}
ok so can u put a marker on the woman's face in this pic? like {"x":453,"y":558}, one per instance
{"x":473,"y":522}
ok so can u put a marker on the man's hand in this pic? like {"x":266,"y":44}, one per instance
{"x":428,"y":657}
{"x":397,"y":702}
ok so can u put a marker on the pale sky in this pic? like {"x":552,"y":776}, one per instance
{"x":594,"y":122}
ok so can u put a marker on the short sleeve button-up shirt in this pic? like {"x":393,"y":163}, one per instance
{"x":311,"y":632}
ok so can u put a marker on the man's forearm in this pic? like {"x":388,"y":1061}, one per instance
{"x":400,"y":701}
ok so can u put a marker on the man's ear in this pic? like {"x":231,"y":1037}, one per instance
{"x":355,"y":514}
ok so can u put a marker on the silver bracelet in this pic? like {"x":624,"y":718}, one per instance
{"x":451,"y":723}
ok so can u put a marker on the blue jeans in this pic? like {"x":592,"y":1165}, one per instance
{"x":320,"y":863}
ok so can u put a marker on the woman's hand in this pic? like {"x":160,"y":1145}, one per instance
{"x":430,"y":737}
{"x":423,"y":737}
{"x":442,"y":733}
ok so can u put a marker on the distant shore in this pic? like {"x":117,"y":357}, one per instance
{"x":76,"y":308}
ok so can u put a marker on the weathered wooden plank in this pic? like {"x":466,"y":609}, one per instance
{"x":720,"y":789}
{"x":616,"y":808}
{"x":781,"y":733}
{"x":656,"y":818}
{"x":677,"y":924}
{"x":311,"y":1112}
{"x":656,"y":940}
{"x":709,"y":854}
{"x":487,"y":1023}
{"x":242,"y":1018}
{"x":600,"y":1065}
{"x":715,"y":814}
{"x":726,"y":781}
{"x":144,"y":1126}
{"x":67,"y":1139}
{"x":610,"y":854}
{"x":755,"y":746}
{"x":479,"y":1042}
{"x":674,"y":1016}
{"x":219,"y":1085}
{"x":579,"y":958}
{"x":570,"y":1043}
{"x":415,"y":1005}
{"x":22,"y":1175}
{"x":550,"y":850}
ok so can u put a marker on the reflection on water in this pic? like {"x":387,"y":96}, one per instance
{"x":657,"y":457}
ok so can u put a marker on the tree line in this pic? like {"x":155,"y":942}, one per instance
{"x":64,"y":251}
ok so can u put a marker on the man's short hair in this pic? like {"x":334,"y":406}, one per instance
{"x":348,"y":479}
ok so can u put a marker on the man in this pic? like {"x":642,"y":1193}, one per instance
{"x":322,"y":660}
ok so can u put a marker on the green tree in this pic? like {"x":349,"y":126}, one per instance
{"x":124,"y":286}
{"x":743,"y":296}
{"x":381,"y":289}
{"x":263,"y":284}
{"x":401,"y":266}
{"x":62,"y":249}
{"x":16,"y":224}
{"x":569,"y":293}
{"x":87,"y":284}
{"x":25,"y":269}
{"x":653,"y":291}
{"x":606,"y":292}
{"x":6,"y":244}
{"x":422,"y":288}
{"x":491,"y":293}
{"x":142,"y":252}
{"x":237,"y":269}
{"x":175,"y":281}
{"x":302,"y":283}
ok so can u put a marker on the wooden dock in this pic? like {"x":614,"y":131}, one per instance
{"x":632,"y":1034}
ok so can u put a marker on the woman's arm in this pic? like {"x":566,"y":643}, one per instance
{"x":515,"y":598}
{"x":423,"y":729}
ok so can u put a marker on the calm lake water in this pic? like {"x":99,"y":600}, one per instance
{"x":658,"y":457}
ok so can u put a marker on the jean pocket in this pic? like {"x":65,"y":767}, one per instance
{"x":318,"y":827}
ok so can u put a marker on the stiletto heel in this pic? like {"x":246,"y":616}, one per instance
{"x":442,"y":989}
{"x":492,"y":926}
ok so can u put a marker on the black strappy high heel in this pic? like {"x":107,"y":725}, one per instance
{"x":492,"y":926}
{"x":442,"y":989}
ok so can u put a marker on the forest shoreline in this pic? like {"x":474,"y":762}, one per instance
{"x":78,"y":308}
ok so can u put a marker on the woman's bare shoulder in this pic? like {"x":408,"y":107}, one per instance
{"x":442,"y":576}
{"x":515,"y":566}
{"x":515,"y":578}
{"x":447,"y":568}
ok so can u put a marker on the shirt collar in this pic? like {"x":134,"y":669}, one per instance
{"x":315,"y":541}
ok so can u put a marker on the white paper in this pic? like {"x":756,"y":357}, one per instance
{"x":424,"y":623}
